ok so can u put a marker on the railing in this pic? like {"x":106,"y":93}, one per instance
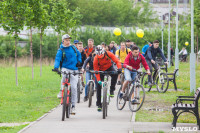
{"x":167,"y":1}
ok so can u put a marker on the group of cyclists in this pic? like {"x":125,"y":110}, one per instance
{"x":71,"y":57}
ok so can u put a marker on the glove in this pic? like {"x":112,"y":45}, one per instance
{"x":99,"y":82}
{"x":55,"y":69}
{"x":119,"y":70}
{"x":78,"y":64}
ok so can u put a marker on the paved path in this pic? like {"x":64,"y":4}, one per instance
{"x":86,"y":120}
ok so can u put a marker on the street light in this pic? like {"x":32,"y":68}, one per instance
{"x":169,"y":55}
{"x":176,"y":51}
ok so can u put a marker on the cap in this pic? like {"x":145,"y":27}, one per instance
{"x":66,"y":36}
{"x":76,"y":41}
{"x":103,"y":43}
{"x":128,"y":40}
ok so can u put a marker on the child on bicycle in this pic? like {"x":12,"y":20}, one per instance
{"x":71,"y":59}
{"x":150,"y":57}
{"x":102,"y":62}
{"x":132,"y":61}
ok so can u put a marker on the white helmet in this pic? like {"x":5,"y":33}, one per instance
{"x":99,"y":50}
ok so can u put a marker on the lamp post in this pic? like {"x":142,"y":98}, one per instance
{"x":177,"y":51}
{"x":169,"y":55}
{"x":192,"y":54}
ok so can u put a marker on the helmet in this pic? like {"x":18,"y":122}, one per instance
{"x":99,"y":50}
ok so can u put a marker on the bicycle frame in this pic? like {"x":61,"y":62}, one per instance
{"x":104,"y":86}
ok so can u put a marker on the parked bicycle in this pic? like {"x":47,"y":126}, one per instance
{"x":66,"y":94}
{"x":160,"y":79}
{"x":105,"y":93}
{"x":137,"y":92}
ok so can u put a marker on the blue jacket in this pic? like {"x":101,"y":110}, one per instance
{"x":152,"y":53}
{"x":70,"y":60}
{"x":144,"y":49}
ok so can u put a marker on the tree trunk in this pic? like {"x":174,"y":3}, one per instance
{"x":31,"y":51}
{"x":58,"y":41}
{"x":41,"y":53}
{"x":16,"y":59}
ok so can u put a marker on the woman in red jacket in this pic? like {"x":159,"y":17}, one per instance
{"x":132,"y":61}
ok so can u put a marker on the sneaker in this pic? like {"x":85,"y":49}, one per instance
{"x":99,"y":108}
{"x":135,"y":101}
{"x":149,"y":83}
{"x":112,"y":94}
{"x":118,"y":83}
{"x":83,"y":84}
{"x":121,"y":94}
{"x":85,"y":98}
{"x":59,"y":96}
{"x":73,"y":111}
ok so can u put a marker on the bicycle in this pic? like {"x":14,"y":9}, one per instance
{"x":105,"y":93}
{"x":90,"y":90}
{"x":66,"y":94}
{"x":79,"y":87}
{"x":160,"y":79}
{"x":137,"y":92}
{"x":122,"y":75}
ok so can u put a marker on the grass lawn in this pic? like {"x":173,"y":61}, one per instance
{"x":31,"y":98}
{"x":11,"y":129}
{"x":164,"y":101}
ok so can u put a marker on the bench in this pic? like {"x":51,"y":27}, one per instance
{"x":179,"y":107}
{"x":172,"y":78}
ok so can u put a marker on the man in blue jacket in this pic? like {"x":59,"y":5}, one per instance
{"x":71,"y":59}
{"x":150,"y":57}
{"x":144,"y":49}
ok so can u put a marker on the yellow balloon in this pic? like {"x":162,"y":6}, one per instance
{"x":140,"y":33}
{"x":117,"y":32}
{"x":186,"y":43}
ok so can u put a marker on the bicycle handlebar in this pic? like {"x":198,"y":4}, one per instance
{"x":67,"y":73}
{"x":104,"y":72}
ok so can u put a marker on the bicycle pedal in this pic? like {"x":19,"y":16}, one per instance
{"x":73,"y":113}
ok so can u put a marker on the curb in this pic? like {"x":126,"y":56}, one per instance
{"x":32,"y":123}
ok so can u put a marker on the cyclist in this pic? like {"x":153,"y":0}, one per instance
{"x":121,"y":54}
{"x":102,"y":62}
{"x":184,"y":54}
{"x":83,"y":57}
{"x":150,"y":57}
{"x":70,"y":61}
{"x":132,"y":61}
{"x":76,"y":43}
{"x":90,"y":48}
{"x":144,"y":49}
{"x":129,"y":44}
{"x":112,"y":47}
{"x":88,"y":73}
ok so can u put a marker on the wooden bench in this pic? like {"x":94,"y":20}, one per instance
{"x":179,"y":107}
{"x":172,"y":78}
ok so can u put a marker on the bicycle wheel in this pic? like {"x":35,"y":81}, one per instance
{"x":121,"y":102}
{"x":162,"y":83}
{"x":90,"y":94}
{"x":68,"y":108}
{"x":78,"y":91}
{"x":104,"y":102}
{"x":144,"y":82}
{"x":139,"y":97}
{"x":64,"y":106}
{"x":122,"y":78}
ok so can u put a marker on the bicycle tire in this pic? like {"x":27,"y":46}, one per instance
{"x":78,"y":91}
{"x":90,"y":94}
{"x":160,"y":85}
{"x":68,"y":107}
{"x":144,"y":82}
{"x":141,"y":99}
{"x":119,"y":100}
{"x":104,"y":102}
{"x":64,"y":104}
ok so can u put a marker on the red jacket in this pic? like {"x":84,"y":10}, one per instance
{"x":102,"y":63}
{"x":135,"y":63}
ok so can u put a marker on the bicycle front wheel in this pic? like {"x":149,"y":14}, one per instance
{"x":162,"y":82}
{"x":78,"y":91}
{"x":64,"y":106}
{"x":90,"y":94}
{"x":104,"y":102}
{"x":144,"y":82}
{"x":121,"y":102}
{"x":136,"y":98}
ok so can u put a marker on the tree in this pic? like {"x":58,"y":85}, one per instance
{"x":32,"y":19}
{"x":13,"y":19}
{"x":42,"y":25}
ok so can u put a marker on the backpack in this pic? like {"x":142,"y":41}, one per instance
{"x":88,"y":49}
{"x":126,"y":52}
{"x":64,"y":55}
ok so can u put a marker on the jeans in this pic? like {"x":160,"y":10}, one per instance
{"x":151,"y":65}
{"x":88,"y":77}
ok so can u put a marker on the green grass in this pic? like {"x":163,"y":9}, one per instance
{"x":14,"y":129}
{"x":31,"y":98}
{"x":165,"y":100}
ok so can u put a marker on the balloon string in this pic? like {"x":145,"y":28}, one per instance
{"x":146,"y":40}
{"x":123,"y":37}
